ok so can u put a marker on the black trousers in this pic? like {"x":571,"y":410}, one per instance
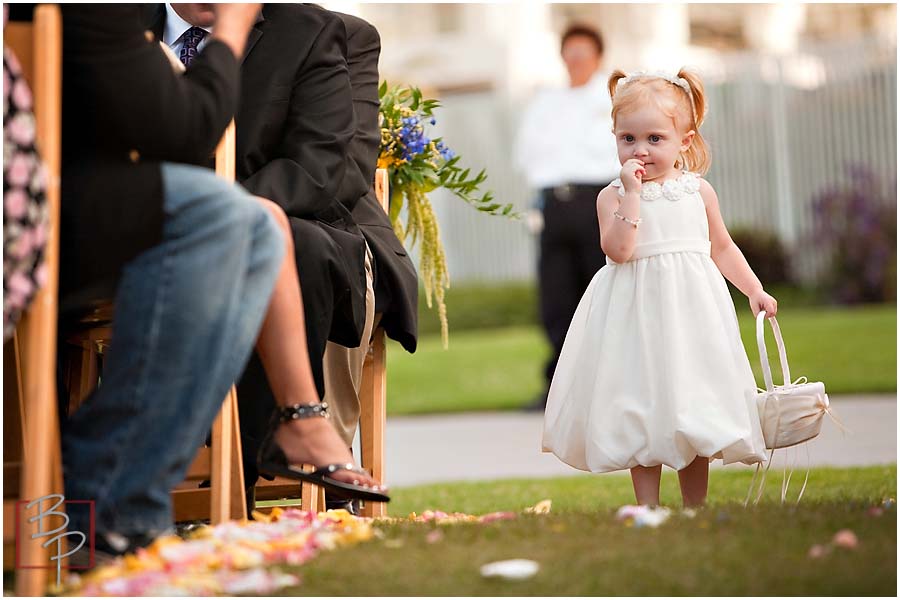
{"x":570,"y":255}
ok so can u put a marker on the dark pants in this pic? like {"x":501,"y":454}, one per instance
{"x":570,"y":255}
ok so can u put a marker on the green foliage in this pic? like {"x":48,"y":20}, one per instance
{"x":765,"y":254}
{"x":484,"y":306}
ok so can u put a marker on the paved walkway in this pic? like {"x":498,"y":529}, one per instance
{"x":478,"y":446}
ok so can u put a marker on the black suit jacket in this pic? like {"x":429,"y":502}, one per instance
{"x":294,"y":124}
{"x":396,"y":282}
{"x":124,"y":112}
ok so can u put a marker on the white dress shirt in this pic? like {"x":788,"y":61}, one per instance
{"x":176,"y":27}
{"x":566,"y":137}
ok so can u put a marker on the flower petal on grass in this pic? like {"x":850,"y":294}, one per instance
{"x":643,"y":516}
{"x":517,"y":568}
{"x":227,"y":559}
{"x":845,"y":538}
{"x":541,"y":508}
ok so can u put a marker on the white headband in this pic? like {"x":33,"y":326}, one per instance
{"x":679,"y":81}
{"x":673,"y":79}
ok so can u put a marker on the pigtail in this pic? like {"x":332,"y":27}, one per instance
{"x":697,"y":157}
{"x":613,"y":81}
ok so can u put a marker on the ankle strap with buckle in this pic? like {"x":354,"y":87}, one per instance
{"x":302,"y":411}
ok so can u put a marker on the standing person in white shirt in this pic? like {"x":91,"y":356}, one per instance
{"x":566,"y":150}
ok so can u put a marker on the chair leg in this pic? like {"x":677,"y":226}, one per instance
{"x":309,"y":497}
{"x":71,"y":376}
{"x":37,"y":348}
{"x":89,"y":373}
{"x":238,"y":494}
{"x":373,"y":413}
{"x":220,"y":476}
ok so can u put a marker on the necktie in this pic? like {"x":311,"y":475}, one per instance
{"x":192,"y":38}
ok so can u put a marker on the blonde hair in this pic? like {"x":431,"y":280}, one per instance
{"x":674,"y":101}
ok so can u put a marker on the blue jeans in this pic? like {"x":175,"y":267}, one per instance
{"x":187,"y":314}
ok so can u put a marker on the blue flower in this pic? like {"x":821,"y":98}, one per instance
{"x":433,"y":121}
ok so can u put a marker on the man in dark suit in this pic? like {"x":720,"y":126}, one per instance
{"x":136,"y":223}
{"x":392,"y":290}
{"x":294,"y":125}
{"x":396,"y":282}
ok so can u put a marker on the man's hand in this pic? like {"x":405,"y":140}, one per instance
{"x":233,"y":23}
{"x":632,"y":174}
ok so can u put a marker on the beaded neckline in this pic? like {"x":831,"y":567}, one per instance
{"x":672,"y":189}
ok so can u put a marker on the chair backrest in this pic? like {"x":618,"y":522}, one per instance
{"x":225,"y":153}
{"x":382,"y":189}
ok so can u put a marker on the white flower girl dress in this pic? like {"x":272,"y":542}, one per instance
{"x":653,"y":370}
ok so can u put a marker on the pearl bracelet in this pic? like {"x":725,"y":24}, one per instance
{"x":633,"y":222}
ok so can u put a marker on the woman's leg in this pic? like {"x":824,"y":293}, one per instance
{"x":282,"y":349}
{"x":646,"y":484}
{"x":694,"y":480}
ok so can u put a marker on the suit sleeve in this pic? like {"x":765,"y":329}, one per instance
{"x":363,"y":49}
{"x":143,"y":103}
{"x":304,"y":180}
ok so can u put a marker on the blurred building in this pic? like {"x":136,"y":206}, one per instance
{"x":798,"y":93}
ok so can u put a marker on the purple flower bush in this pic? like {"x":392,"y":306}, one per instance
{"x":856,"y":223}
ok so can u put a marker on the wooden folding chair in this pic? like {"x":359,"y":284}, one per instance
{"x":33,"y":467}
{"x":373,"y":389}
{"x":221,"y":463}
{"x":372,"y":399}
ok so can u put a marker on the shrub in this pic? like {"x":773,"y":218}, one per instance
{"x":484,"y":306}
{"x":765,"y":253}
{"x":857,"y":224}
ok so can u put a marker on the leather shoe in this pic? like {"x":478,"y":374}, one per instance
{"x":351,"y":506}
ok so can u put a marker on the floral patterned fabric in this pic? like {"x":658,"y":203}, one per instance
{"x":24,"y":203}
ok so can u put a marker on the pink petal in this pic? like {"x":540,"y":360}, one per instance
{"x":21,"y":95}
{"x":14,"y":201}
{"x":19,"y":169}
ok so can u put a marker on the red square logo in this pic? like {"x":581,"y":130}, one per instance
{"x":43,"y":534}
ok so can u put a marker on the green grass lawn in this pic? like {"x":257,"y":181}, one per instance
{"x":724,"y":550}
{"x":852,"y":350}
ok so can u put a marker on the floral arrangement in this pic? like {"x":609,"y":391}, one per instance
{"x":418,"y":165}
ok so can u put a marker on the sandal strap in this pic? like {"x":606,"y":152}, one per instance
{"x":335,"y":467}
{"x":302,"y":411}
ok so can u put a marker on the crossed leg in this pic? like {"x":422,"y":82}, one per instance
{"x":282,"y":350}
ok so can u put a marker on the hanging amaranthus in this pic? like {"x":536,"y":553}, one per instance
{"x":417,"y":166}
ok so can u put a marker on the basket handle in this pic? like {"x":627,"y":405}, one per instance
{"x":764,"y":357}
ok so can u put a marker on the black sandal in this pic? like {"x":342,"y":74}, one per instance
{"x":272,"y":460}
